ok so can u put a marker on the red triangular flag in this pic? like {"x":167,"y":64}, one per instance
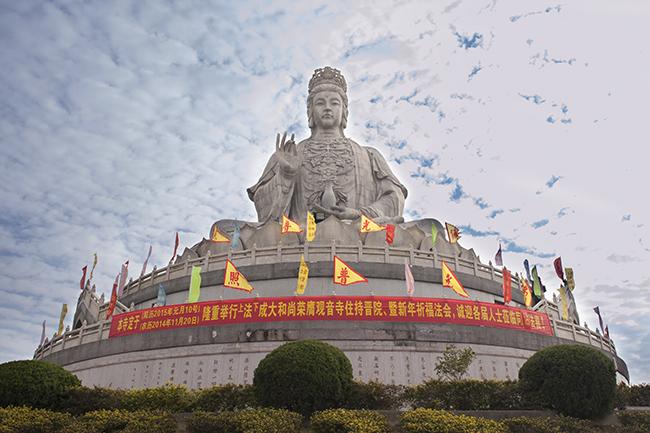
{"x":390,"y":234}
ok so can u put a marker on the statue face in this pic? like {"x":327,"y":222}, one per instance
{"x":327,"y":110}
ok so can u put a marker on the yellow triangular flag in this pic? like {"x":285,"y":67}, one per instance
{"x":303,"y":274}
{"x":527,"y":291}
{"x":368,"y":225}
{"x":217,"y":236}
{"x":345,"y":275}
{"x":64,"y":311}
{"x":452,"y":232}
{"x":450,"y":280}
{"x":289,"y":226}
{"x":565,"y":304}
{"x":234,"y":279}
{"x":311,"y":227}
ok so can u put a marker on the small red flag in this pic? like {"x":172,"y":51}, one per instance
{"x":507,"y":286}
{"x":176,"y":242}
{"x":390,"y":234}
{"x":82,"y":283}
{"x":559,"y":270}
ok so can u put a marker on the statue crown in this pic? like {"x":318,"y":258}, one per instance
{"x":327,"y":75}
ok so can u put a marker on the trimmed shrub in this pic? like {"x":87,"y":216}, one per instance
{"x":245,"y":421}
{"x":29,"y":420}
{"x":226,"y":397}
{"x":81,"y":400}
{"x":170,"y":398}
{"x":109,"y":421}
{"x":467,"y":395}
{"x":559,"y":424}
{"x":376,"y":396}
{"x":640,"y":420}
{"x":573,"y":380}
{"x":349,"y":421}
{"x":439,"y":421}
{"x":37,"y":384}
{"x":639,"y":395}
{"x":303,"y":376}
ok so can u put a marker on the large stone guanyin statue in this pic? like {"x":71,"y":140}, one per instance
{"x":331,"y":176}
{"x":327,"y":173}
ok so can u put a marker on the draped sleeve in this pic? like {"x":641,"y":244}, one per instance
{"x":390,"y":193}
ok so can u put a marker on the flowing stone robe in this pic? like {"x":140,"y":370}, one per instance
{"x":359,"y":177}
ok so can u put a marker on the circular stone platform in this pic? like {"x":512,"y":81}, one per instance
{"x":390,"y":350}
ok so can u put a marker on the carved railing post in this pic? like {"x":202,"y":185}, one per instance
{"x":359,"y":250}
{"x":573,"y":329}
{"x":254,"y":254}
{"x":333,"y":250}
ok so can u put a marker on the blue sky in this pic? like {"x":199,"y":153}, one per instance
{"x":124,"y":122}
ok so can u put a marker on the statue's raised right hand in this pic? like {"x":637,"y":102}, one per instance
{"x":287,"y":155}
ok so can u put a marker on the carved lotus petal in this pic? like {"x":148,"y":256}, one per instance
{"x":333,"y":229}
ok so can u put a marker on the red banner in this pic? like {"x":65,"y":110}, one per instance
{"x":357,"y":308}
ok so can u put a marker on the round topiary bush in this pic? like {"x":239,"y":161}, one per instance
{"x":37,"y":384}
{"x":574,"y":380}
{"x":303,"y":376}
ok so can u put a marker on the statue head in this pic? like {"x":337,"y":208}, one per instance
{"x":326,"y":84}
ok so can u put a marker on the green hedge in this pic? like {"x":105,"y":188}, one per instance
{"x":375,"y":396}
{"x":635,"y":419}
{"x":349,"y":421}
{"x":122,"y":421}
{"x":549,"y":425}
{"x":226,"y":397}
{"x":574,"y":380}
{"x":35,"y":383}
{"x":245,"y":421}
{"x":170,"y":398}
{"x":81,"y":400}
{"x":635,"y":395}
{"x":303,"y":376}
{"x":438,"y":421}
{"x":467,"y":395}
{"x":30,"y":420}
